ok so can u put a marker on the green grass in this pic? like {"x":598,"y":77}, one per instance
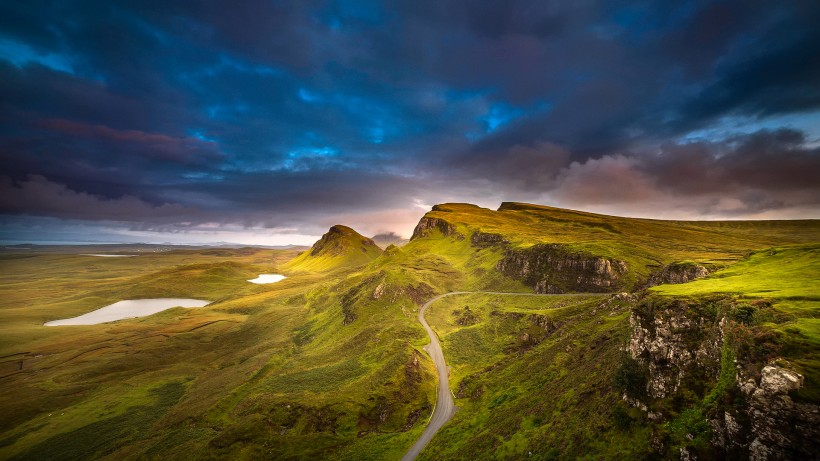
{"x":256,"y":350}
{"x":540,"y":383}
{"x":784,"y":272}
{"x":328,"y":363}
{"x":341,"y":247}
{"x":644,"y":244}
{"x":107,"y":433}
{"x":787,"y":279}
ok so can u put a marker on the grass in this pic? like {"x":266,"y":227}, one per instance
{"x":107,"y":433}
{"x":644,"y":244}
{"x":539,"y":386}
{"x":785,"y":282}
{"x":340,"y":247}
{"x":328,"y":363}
{"x":784,"y":272}
{"x":256,"y":350}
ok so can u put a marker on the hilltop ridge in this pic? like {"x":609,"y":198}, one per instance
{"x":340,"y":246}
{"x":615,"y":252}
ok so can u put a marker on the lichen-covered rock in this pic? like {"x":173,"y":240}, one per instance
{"x":427,"y":225}
{"x":378,"y":292}
{"x":780,"y":429}
{"x":553,"y":268}
{"x":776,"y":380}
{"x":677,"y":273}
{"x":677,"y":340}
{"x":726,"y":431}
{"x":669,"y":343}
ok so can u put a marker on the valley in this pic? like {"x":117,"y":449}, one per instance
{"x":566,"y":335}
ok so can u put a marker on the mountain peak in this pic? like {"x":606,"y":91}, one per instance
{"x":339,"y":246}
{"x":340,"y":239}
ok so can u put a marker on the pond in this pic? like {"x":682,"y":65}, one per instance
{"x":267,"y":278}
{"x":127,"y":309}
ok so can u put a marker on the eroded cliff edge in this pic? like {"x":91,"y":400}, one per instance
{"x":712,"y":389}
{"x":554,"y":268}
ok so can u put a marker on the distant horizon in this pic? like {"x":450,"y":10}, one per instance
{"x":13,"y":243}
{"x":308,"y":240}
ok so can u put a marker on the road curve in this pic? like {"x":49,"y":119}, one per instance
{"x":445,"y":407}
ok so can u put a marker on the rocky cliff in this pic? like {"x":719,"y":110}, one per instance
{"x":681,"y":272}
{"x":427,"y":225}
{"x":671,"y":342}
{"x":771,"y":425}
{"x":685,"y":350}
{"x":553,"y":268}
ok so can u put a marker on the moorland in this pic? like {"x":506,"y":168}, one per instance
{"x":656,"y":339}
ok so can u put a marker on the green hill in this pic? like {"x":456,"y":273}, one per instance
{"x":329,"y":363}
{"x":340,"y":247}
{"x":556,"y":250}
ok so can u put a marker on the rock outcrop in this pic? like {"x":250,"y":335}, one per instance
{"x":677,"y":273}
{"x":427,"y":225}
{"x":759,"y":420}
{"x":553,"y":268}
{"x":772,"y":426}
{"x":671,"y":343}
{"x":419,"y":294}
{"x":486,"y":239}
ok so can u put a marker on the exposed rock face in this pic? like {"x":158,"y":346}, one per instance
{"x":780,"y":428}
{"x":671,"y":344}
{"x":427,"y":225}
{"x":465,"y":317}
{"x":677,"y":273}
{"x":552,"y":268}
{"x":484,"y":239}
{"x":766,"y":424}
{"x":418,"y":294}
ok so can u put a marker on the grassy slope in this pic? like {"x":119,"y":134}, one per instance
{"x":644,"y":244}
{"x":265,"y":371}
{"x":534,"y":379}
{"x":784,"y":273}
{"x":72,"y":376}
{"x":340,"y":247}
{"x":521,"y":407}
{"x":275,"y":370}
{"x":786,"y":280}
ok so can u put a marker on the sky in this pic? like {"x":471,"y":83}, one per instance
{"x":266,"y":122}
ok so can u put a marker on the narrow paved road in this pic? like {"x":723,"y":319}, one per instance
{"x":445,"y":408}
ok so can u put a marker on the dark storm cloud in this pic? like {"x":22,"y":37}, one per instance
{"x":759,"y":173}
{"x":778,"y":80}
{"x":765,"y":160}
{"x":265,"y":113}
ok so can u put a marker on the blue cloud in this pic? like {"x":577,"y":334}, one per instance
{"x":113,"y":98}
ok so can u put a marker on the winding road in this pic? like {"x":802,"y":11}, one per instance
{"x":445,"y":407}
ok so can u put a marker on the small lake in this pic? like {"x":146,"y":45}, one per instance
{"x":130,"y":308}
{"x":108,"y":256}
{"x":267,"y":278}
